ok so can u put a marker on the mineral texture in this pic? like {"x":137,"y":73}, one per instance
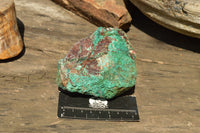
{"x":102,"y":65}
{"x":106,"y":13}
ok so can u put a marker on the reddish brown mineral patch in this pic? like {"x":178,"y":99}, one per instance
{"x":102,"y":46}
{"x":81,"y":49}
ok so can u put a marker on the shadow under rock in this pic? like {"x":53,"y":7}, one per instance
{"x":75,"y":94}
{"x":140,"y":21}
{"x":21,"y":28}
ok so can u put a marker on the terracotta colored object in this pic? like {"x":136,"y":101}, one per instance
{"x":182,"y":16}
{"x":10,"y":40}
{"x":102,"y":65}
{"x":106,"y":13}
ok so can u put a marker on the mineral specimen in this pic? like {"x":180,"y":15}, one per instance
{"x":102,"y":65}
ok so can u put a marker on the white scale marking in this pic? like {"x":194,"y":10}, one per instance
{"x":111,"y":110}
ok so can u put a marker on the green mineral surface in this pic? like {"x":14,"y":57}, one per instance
{"x":102,"y":65}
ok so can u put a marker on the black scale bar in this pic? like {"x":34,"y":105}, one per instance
{"x":120,"y":109}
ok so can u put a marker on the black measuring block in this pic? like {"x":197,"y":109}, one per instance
{"x":122,"y":108}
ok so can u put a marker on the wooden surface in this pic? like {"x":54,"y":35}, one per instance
{"x":167,"y":86}
{"x":5,"y":4}
{"x":10,"y":40}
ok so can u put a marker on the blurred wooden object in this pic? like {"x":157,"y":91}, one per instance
{"x":104,"y":13}
{"x":10,"y":40}
{"x":182,"y":16}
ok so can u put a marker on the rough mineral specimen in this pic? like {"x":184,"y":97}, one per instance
{"x":102,"y":65}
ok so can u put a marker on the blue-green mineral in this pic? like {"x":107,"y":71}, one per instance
{"x":102,"y":65}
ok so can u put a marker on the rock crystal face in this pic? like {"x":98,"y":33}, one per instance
{"x":102,"y":65}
